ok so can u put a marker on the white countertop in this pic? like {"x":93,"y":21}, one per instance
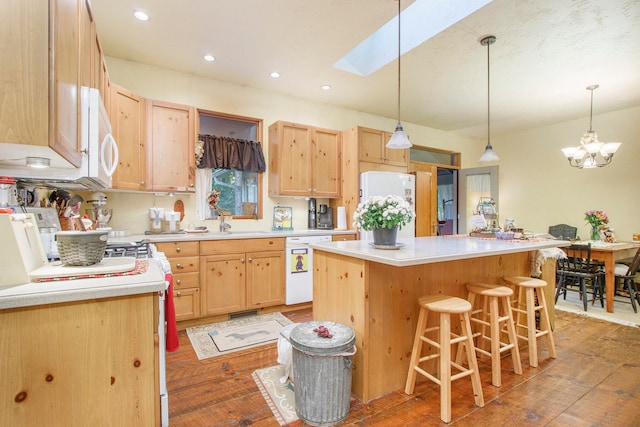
{"x":39,"y":293}
{"x":233,"y":234}
{"x":425,"y":250}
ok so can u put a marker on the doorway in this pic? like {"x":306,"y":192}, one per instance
{"x":476,"y":185}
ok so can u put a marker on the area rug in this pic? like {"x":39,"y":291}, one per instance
{"x":623,"y":312}
{"x":280,"y":397}
{"x":237,"y":334}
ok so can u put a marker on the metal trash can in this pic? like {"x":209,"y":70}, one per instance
{"x":322,"y":365}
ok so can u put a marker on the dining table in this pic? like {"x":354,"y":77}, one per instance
{"x":609,"y":253}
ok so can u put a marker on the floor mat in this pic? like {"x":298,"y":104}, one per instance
{"x":280,"y":397}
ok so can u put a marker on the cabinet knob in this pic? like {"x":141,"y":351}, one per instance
{"x":178,"y":294}
{"x":178,"y":250}
{"x":250,"y":259}
{"x":178,"y":281}
{"x":242,"y":260}
{"x":178,"y":265}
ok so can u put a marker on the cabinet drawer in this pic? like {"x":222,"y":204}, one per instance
{"x":178,"y":249}
{"x":186,"y":280}
{"x":187,"y":264}
{"x":214,"y":247}
{"x":342,"y":237}
{"x":187,"y":304}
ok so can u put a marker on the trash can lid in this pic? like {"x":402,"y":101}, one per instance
{"x":304,"y":338}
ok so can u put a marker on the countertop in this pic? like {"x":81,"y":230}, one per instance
{"x":424,"y":250}
{"x":233,"y":234}
{"x":39,"y":293}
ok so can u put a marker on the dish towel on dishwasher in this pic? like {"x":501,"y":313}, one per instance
{"x":170,"y":316}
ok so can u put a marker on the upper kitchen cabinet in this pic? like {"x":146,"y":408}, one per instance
{"x":93,"y":68}
{"x":40,"y":78}
{"x":128,"y":128}
{"x":373,"y":152}
{"x":170,"y":150}
{"x":304,"y":161}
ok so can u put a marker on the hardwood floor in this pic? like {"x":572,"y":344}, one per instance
{"x":595,"y":381}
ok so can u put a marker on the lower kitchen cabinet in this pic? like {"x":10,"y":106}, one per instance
{"x":185,"y":265}
{"x":237,"y":275}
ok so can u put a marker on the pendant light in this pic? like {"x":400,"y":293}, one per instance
{"x":591,"y":153}
{"x":399,"y":139}
{"x":489,"y":155}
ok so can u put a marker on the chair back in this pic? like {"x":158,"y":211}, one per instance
{"x":635,"y":265}
{"x":563,"y":231}
{"x":578,"y":260}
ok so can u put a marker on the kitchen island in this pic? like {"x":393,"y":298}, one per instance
{"x":81,"y":352}
{"x":375,"y":292}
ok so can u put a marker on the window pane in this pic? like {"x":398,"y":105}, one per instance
{"x":238,"y":191}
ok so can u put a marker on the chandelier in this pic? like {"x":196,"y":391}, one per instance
{"x":399,"y":139}
{"x":591,"y":153}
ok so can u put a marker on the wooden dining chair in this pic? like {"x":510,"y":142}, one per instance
{"x":579,"y":273}
{"x":563,"y":231}
{"x":627,"y":275}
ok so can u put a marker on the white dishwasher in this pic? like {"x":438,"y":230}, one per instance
{"x":299,"y":281}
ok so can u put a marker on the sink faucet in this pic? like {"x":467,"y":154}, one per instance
{"x":224,"y":227}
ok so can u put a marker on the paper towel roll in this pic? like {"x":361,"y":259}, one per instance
{"x":342,"y":218}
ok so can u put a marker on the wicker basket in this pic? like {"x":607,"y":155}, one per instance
{"x":81,"y":247}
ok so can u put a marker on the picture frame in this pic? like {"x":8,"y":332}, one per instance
{"x":282,"y":218}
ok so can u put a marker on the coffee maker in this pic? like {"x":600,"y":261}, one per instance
{"x":325,"y":218}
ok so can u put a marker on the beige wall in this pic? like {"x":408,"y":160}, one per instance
{"x":537,"y":186}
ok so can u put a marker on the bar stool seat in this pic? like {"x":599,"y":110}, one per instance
{"x":445,"y":306}
{"x":534,"y":291}
{"x":489,"y":315}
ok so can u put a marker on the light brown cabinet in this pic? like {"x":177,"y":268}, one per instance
{"x":305,"y":161}
{"x":372,"y":149}
{"x":185,"y":266}
{"x":72,"y":363}
{"x":128,"y":128}
{"x":41,"y":103}
{"x":170,"y":150}
{"x":239,"y":275}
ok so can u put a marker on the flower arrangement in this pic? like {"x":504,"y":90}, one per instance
{"x":213,"y":199}
{"x":598,"y":221}
{"x":383,"y":212}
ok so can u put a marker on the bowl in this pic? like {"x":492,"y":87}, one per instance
{"x":504,"y":235}
{"x":81,"y":248}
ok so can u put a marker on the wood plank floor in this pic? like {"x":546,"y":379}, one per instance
{"x":595,"y":381}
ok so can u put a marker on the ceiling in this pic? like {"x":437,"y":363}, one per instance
{"x":547,"y":52}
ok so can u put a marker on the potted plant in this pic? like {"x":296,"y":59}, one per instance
{"x":383,"y":215}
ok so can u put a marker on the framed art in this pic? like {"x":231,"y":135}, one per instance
{"x":282,"y":218}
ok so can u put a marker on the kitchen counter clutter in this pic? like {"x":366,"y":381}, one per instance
{"x":375,"y":292}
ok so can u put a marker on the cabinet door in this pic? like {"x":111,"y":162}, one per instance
{"x":127,"y":122}
{"x":370,"y":145}
{"x":222,"y":281}
{"x":327,"y":165}
{"x":170,"y":146}
{"x":265,"y":279}
{"x":290,"y":164}
{"x":66,"y":79}
{"x":87,"y":27}
{"x":186,"y":303}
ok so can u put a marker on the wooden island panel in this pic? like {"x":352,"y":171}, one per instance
{"x":379,"y":302}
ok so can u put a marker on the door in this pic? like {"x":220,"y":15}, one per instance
{"x":425,"y":222}
{"x":476,"y":183}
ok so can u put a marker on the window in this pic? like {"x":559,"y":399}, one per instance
{"x":240,"y":191}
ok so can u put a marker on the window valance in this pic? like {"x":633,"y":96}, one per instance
{"x":229,"y":153}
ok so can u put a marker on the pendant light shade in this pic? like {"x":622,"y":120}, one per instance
{"x":399,"y":138}
{"x":489,"y":155}
{"x":591,"y":153}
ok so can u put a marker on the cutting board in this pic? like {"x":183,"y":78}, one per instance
{"x":107,"y":265}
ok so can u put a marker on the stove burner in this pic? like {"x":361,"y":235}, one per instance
{"x":136,"y":250}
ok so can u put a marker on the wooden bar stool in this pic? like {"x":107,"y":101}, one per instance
{"x":489,"y":315}
{"x":533,"y":289}
{"x":445,"y":306}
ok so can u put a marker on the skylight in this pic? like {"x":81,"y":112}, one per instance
{"x":421,"y":20}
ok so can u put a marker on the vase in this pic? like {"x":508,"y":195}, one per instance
{"x":595,"y":232}
{"x":385,"y":236}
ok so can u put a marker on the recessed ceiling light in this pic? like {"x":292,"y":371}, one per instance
{"x":275,"y":74}
{"x":140,"y":15}
{"x":326,"y":87}
{"x":209,"y":58}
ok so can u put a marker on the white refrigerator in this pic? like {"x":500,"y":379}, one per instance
{"x":386,"y":183}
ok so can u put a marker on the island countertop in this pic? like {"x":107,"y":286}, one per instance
{"x":425,"y":250}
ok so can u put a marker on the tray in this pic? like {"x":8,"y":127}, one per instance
{"x":107,"y":265}
{"x":388,"y":247}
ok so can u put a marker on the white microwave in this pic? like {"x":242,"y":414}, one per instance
{"x":98,"y":147}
